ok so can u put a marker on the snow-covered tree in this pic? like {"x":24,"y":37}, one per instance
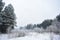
{"x":10,"y":18}
{"x":45,"y":23}
{"x":29,"y":26}
{"x":7,"y":17}
{"x":1,"y":5}
{"x":10,"y":15}
{"x":58,"y":17}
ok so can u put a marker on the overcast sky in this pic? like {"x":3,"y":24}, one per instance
{"x":34,"y":11}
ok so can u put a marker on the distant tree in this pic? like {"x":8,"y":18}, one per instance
{"x":21,"y":27}
{"x":29,"y":26}
{"x":52,"y":28}
{"x":7,"y":18}
{"x":45,"y":23}
{"x":34,"y":26}
{"x":58,"y":17}
{"x":39,"y":25}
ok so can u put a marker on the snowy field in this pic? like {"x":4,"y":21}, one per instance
{"x":33,"y":36}
{"x":39,"y":36}
{"x":3,"y":37}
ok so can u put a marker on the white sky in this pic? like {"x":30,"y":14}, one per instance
{"x":34,"y":11}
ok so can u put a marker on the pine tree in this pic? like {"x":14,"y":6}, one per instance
{"x":1,"y":5}
{"x":7,"y":17}
{"x":58,"y":18}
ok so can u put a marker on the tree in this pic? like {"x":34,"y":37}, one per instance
{"x":39,"y":25}
{"x":1,"y":19}
{"x":58,"y":17}
{"x":29,"y":26}
{"x":1,"y":5}
{"x":7,"y":18}
{"x":45,"y":23}
{"x":34,"y":26}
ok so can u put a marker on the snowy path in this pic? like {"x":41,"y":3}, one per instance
{"x":37,"y":36}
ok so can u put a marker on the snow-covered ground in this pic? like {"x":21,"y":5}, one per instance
{"x":33,"y":36}
{"x":39,"y":36}
{"x":3,"y":37}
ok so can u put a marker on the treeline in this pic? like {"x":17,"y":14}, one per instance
{"x":48,"y":25}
